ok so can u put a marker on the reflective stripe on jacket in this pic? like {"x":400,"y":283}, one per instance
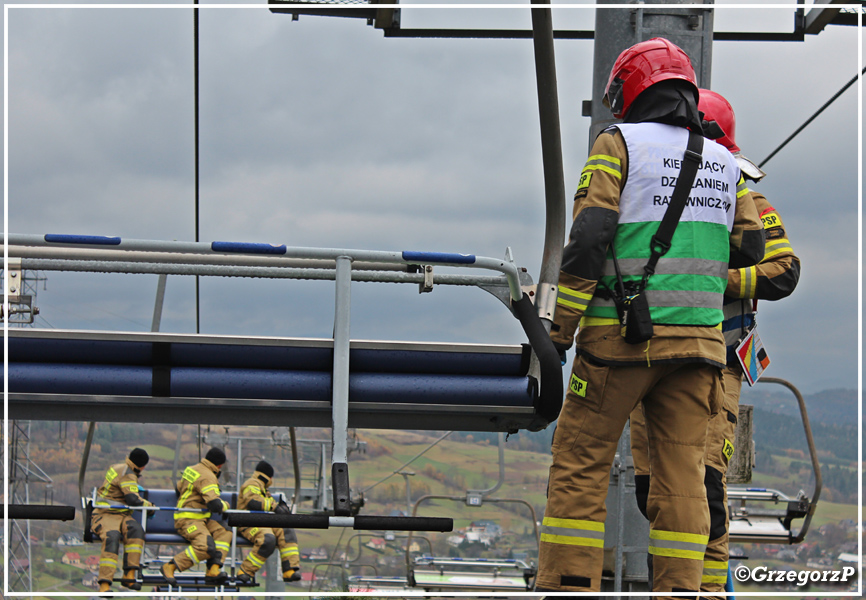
{"x":773,"y":279}
{"x":198,"y":486}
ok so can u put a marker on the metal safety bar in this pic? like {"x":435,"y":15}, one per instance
{"x":95,"y":254}
{"x":765,"y":494}
{"x":452,"y":561}
{"x":360,"y":522}
{"x":135,"y":258}
{"x":422,"y":499}
{"x":146,"y":509}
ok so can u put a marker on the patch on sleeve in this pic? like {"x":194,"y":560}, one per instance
{"x":774,"y":233}
{"x":583,"y":185}
{"x":770,"y":219}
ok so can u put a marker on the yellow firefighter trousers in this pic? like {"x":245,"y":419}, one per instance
{"x":131,"y":536}
{"x":721,"y":434}
{"x":208,"y":540}
{"x":679,"y":400}
{"x":290,"y":557}
{"x":720,"y":447}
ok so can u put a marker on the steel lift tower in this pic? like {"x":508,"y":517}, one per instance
{"x":22,"y":288}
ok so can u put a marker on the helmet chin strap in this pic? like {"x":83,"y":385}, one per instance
{"x":712,"y":130}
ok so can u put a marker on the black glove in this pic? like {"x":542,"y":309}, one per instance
{"x":216,"y":506}
{"x":282,"y":508}
{"x":562,"y":349}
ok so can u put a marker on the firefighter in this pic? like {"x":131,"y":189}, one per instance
{"x":773,"y":279}
{"x":255,"y":496}
{"x":113,"y":525}
{"x":209,"y":540}
{"x":675,"y":371}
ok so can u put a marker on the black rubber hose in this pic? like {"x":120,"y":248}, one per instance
{"x":322,"y":522}
{"x":45,"y":512}
{"x":549,"y":400}
{"x":404,"y":523}
{"x":275,"y":520}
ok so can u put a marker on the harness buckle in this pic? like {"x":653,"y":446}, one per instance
{"x":692,"y":156}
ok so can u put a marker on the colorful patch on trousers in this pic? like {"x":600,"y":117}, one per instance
{"x":728,"y":449}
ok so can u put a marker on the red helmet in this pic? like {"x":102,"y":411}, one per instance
{"x":642,"y":65}
{"x":716,"y":108}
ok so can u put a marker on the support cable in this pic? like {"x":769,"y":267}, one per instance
{"x":409,"y":462}
{"x":812,"y":118}
{"x":196,"y":101}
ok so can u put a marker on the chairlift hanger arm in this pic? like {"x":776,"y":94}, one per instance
{"x":422,"y":499}
{"x":813,"y":454}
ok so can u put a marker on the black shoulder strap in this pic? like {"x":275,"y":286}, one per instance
{"x":661,"y":241}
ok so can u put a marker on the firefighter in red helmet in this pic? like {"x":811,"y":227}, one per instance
{"x":674,"y":370}
{"x":774,"y":278}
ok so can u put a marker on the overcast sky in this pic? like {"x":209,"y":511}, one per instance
{"x":322,"y":132}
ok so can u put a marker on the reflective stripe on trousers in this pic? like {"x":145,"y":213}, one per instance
{"x":572,"y":532}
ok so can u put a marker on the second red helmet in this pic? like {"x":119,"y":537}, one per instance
{"x":642,"y":65}
{"x":716,"y":108}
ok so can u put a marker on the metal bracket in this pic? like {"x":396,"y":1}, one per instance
{"x":474,"y":499}
{"x":427,"y":284}
{"x":503,"y":293}
{"x":13,"y":281}
{"x":20,"y":307}
{"x":545,"y":301}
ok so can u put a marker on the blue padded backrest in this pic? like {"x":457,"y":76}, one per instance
{"x":283,"y":357}
{"x":163,"y":521}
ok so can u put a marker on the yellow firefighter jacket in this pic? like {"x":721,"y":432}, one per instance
{"x":255,"y":494}
{"x":120,"y":487}
{"x":773,"y":279}
{"x":197,"y":487}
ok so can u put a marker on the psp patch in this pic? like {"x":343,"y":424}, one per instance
{"x":578,"y":386}
{"x":770,"y":219}
{"x":583,"y":184}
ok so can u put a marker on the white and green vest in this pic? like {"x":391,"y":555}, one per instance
{"x":690,"y":279}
